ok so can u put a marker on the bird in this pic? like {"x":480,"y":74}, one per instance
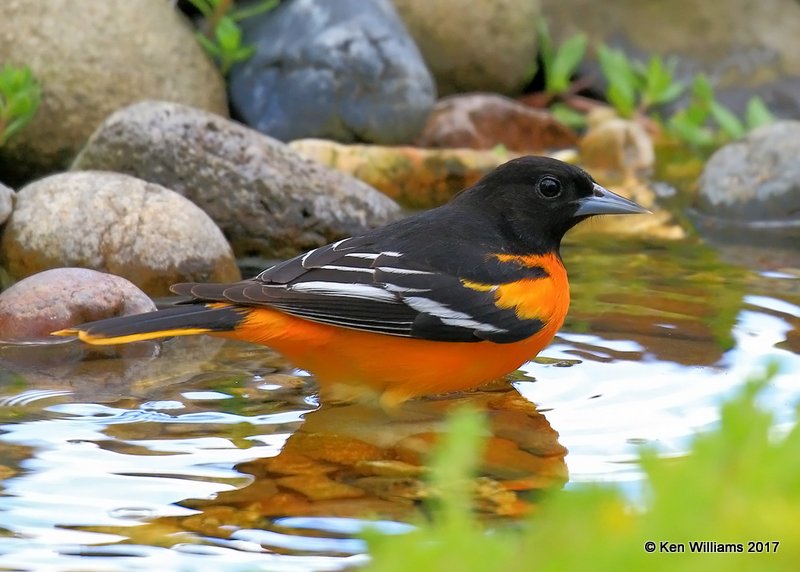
{"x":441,"y":301}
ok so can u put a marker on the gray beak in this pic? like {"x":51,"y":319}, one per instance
{"x":603,"y":201}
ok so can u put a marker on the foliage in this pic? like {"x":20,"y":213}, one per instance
{"x":737,"y":485}
{"x":559,"y":63}
{"x":635,"y":86}
{"x":20,"y":94}
{"x":693,"y":123}
{"x":223,"y":37}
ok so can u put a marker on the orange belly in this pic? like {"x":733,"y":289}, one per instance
{"x":346,"y":362}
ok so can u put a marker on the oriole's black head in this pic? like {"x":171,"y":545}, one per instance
{"x":536,"y":200}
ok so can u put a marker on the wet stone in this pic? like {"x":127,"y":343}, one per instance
{"x":749,"y":189}
{"x":64,"y":297}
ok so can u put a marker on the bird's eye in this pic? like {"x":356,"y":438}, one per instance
{"x":549,"y":187}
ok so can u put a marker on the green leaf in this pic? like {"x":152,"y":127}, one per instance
{"x":727,"y":121}
{"x":674,"y":91}
{"x":687,"y":129}
{"x":568,"y":116}
{"x":658,"y":82}
{"x":622,"y":98}
{"x":702,"y":91}
{"x":228,"y":34}
{"x":20,"y":106}
{"x":757,"y":113}
{"x":566,"y":61}
{"x":621,"y":77}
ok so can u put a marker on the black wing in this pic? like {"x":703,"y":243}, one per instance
{"x":356,"y":284}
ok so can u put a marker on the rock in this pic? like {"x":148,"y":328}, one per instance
{"x":475,"y":46}
{"x":268,"y":200}
{"x":746,"y":48}
{"x":7,"y":197}
{"x":615,"y":144}
{"x":483,"y":121}
{"x":754,"y":185}
{"x":416,"y":178}
{"x":118,"y":224}
{"x":93,"y":58}
{"x":64,"y":297}
{"x":345,"y":70}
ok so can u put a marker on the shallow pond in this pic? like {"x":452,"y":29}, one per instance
{"x":199,"y":454}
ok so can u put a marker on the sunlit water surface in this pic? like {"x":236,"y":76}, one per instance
{"x":204,"y":455}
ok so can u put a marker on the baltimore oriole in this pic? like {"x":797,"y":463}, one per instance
{"x":440,"y":301}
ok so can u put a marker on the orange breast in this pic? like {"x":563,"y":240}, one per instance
{"x":400,"y":368}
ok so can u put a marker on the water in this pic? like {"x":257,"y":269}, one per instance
{"x":201,"y":454}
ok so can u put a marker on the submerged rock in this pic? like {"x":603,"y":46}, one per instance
{"x":345,"y":70}
{"x":91,"y":59}
{"x":750,"y":189}
{"x":65,"y":297}
{"x":118,"y":224}
{"x":268,"y":200}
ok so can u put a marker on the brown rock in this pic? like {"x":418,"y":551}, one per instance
{"x":485,"y":120}
{"x":64,"y":297}
{"x":118,"y":224}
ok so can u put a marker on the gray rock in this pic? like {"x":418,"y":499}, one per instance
{"x":65,"y":297}
{"x":344,"y":70}
{"x":754,"y":183}
{"x":268,"y":200}
{"x":475,"y":46}
{"x":118,"y":224}
{"x":93,"y":58}
{"x":745,"y":47}
{"x":6,"y":202}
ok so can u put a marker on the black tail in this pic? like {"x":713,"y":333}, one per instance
{"x":185,"y":320}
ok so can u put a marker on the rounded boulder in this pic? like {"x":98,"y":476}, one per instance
{"x":65,"y":297}
{"x":115,"y":223}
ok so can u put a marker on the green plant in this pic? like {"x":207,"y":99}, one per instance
{"x":222,"y":38}
{"x":20,"y":95}
{"x":634,"y":86}
{"x":695,"y":123}
{"x":738,"y":486}
{"x":559,"y":63}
